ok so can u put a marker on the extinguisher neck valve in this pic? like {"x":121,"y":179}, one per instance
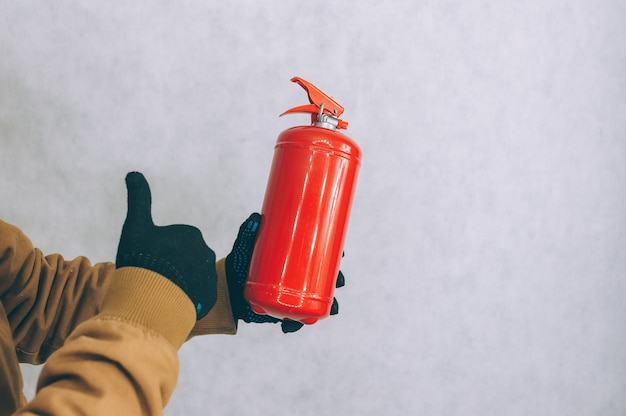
{"x":326,"y":121}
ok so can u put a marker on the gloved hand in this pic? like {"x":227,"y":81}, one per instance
{"x":237,"y":266}
{"x":177,"y":252}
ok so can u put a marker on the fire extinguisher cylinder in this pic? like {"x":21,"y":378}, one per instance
{"x":305,"y":213}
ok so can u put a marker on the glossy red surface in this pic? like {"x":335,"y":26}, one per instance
{"x":305,"y":214}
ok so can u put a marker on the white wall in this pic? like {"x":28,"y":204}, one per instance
{"x":485,"y":261}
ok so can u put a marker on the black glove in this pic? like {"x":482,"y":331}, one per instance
{"x":177,"y":252}
{"x":237,"y":266}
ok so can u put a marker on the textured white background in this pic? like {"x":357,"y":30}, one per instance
{"x":486,"y":255}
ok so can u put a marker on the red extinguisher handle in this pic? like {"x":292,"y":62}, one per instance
{"x":320,"y":105}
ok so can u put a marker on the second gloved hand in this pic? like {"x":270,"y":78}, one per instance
{"x":237,"y":266}
{"x":177,"y":252}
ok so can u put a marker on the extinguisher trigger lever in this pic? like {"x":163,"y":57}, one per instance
{"x":324,"y":110}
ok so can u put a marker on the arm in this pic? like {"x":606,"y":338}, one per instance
{"x":45,"y":297}
{"x":42,"y":326}
{"x":124,"y":359}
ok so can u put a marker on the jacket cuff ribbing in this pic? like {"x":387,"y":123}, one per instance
{"x":149,"y":299}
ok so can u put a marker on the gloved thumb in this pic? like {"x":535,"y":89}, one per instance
{"x":139,"y":200}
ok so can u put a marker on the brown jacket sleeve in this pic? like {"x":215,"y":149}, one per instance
{"x":45,"y":297}
{"x":124,"y":360}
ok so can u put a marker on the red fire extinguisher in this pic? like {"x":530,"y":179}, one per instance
{"x":305,"y":212}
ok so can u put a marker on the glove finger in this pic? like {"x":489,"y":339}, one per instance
{"x":341,"y":280}
{"x":248,"y":231}
{"x":288,"y":326}
{"x":238,"y":261}
{"x":139,"y":200}
{"x":334,"y":309}
{"x":250,"y":317}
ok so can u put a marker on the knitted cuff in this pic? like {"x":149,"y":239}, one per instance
{"x":149,"y":299}
{"x":220,"y":319}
